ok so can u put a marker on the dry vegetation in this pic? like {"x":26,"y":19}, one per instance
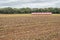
{"x":30,"y":27}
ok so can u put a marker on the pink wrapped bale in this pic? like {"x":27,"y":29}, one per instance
{"x":42,"y":13}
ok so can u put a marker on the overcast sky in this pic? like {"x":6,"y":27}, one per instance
{"x":30,"y":3}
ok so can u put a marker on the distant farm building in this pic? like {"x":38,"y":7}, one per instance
{"x":42,"y":13}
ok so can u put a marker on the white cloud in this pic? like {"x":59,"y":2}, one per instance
{"x":30,"y":3}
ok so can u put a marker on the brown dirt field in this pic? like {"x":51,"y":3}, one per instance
{"x":30,"y":28}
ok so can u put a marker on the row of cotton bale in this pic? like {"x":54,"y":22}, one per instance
{"x":43,"y":13}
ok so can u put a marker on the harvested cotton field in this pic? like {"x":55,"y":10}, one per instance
{"x":30,"y":27}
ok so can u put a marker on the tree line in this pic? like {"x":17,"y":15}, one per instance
{"x":9,"y":10}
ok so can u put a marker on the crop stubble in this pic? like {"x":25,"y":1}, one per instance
{"x":30,"y":28}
